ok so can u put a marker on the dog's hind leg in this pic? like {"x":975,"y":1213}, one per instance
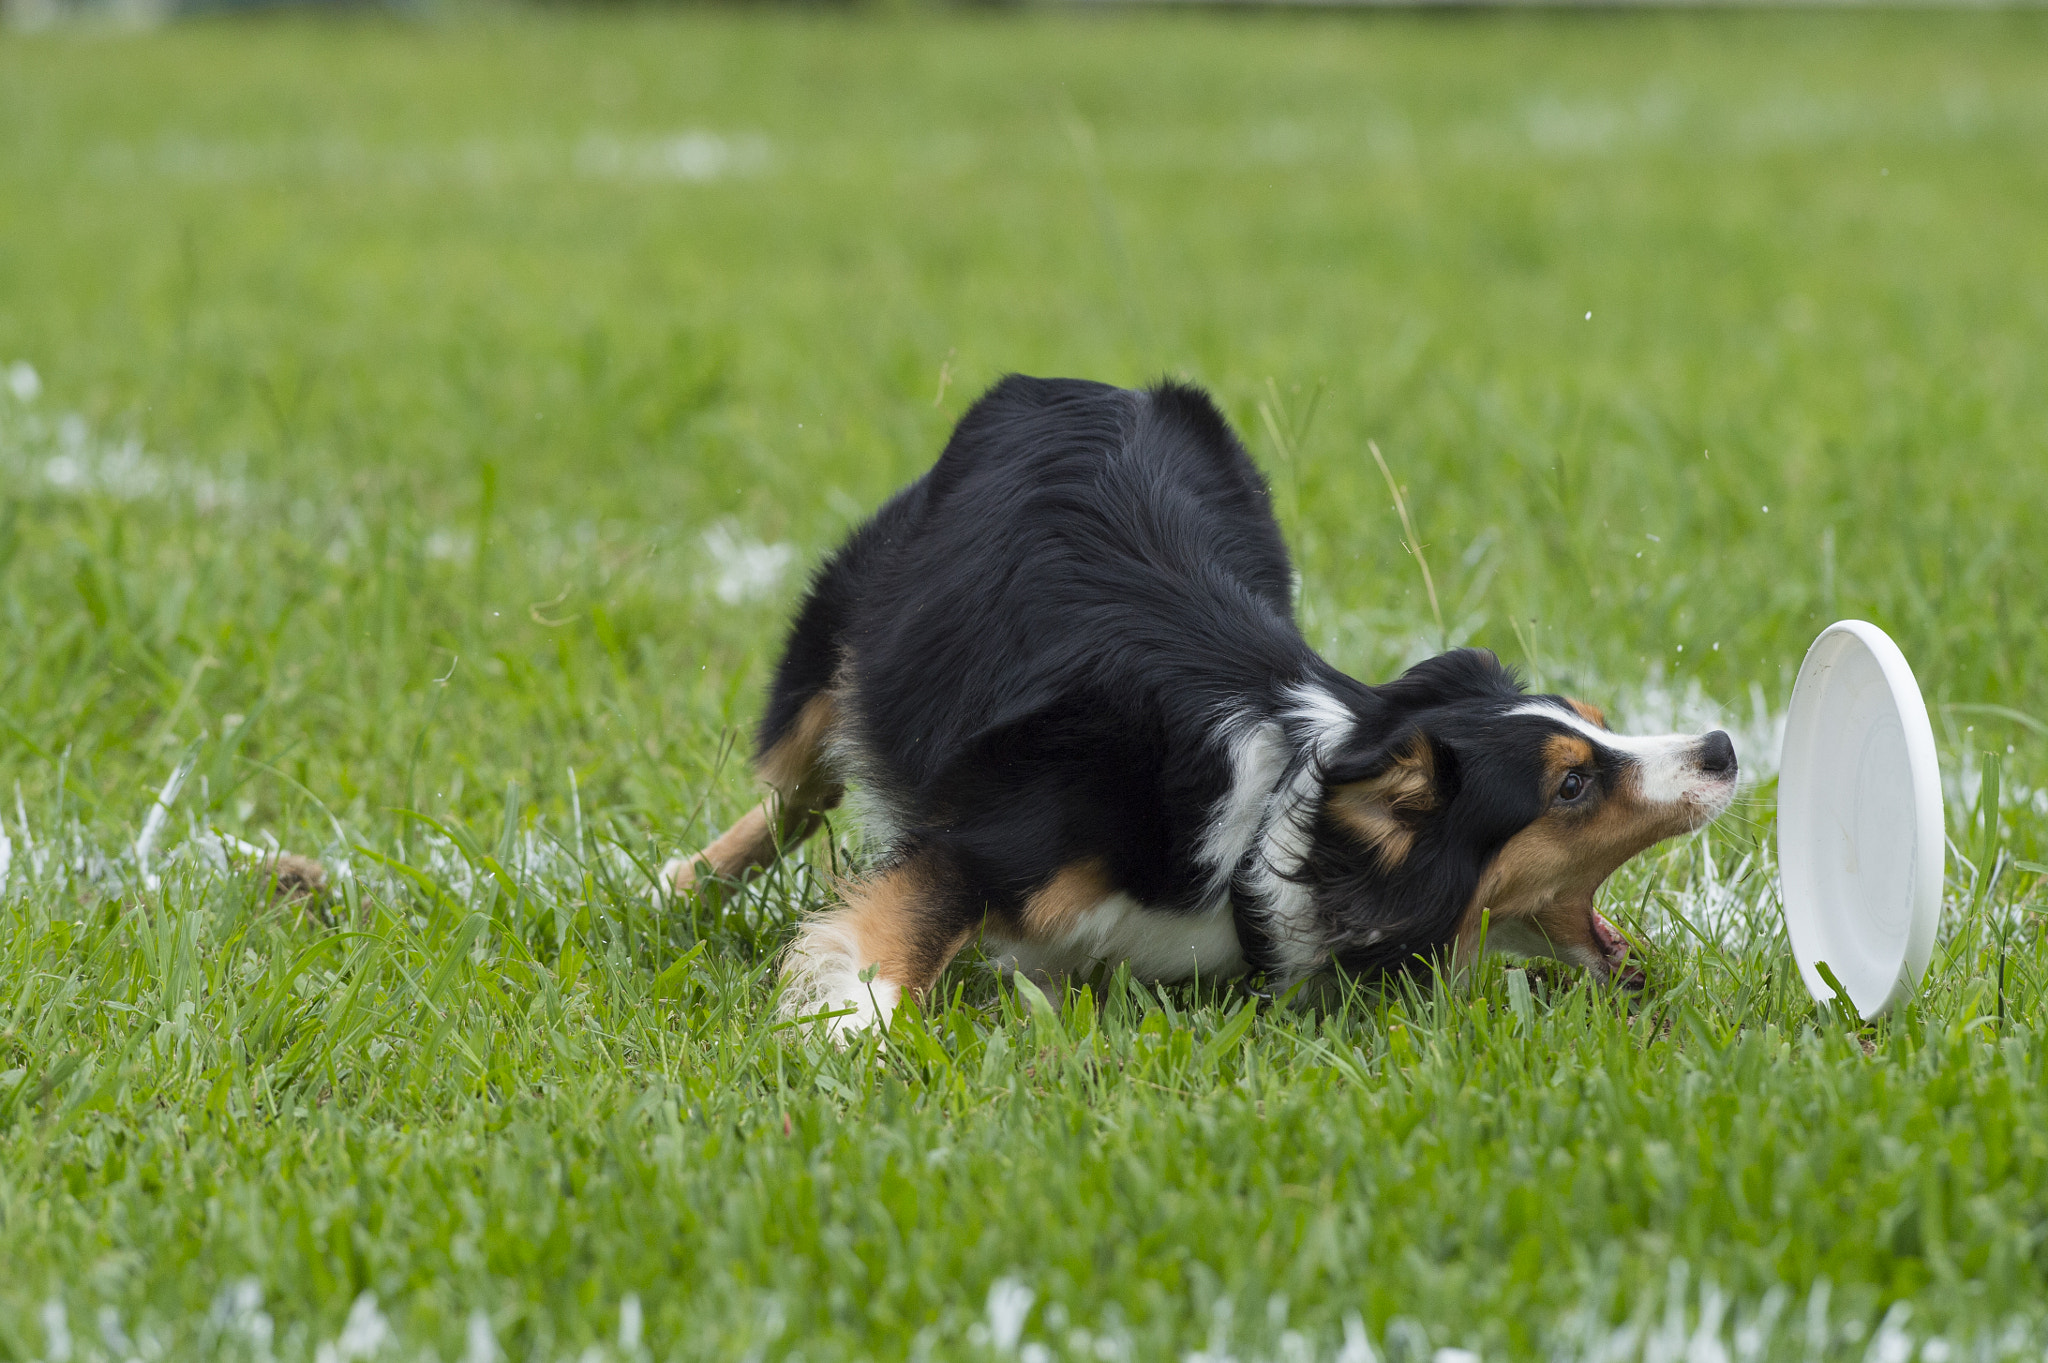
{"x":800,"y":790}
{"x":892,"y":935}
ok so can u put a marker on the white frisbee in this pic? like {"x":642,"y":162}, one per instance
{"x":1860,"y":843}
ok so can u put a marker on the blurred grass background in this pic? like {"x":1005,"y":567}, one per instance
{"x":439,"y":415}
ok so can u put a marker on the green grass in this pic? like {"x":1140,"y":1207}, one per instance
{"x":417,"y":434}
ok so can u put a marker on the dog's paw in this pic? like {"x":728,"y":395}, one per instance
{"x":678,"y":876}
{"x":296,"y":877}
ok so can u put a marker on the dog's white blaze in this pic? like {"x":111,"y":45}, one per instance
{"x":822,"y":974}
{"x":1285,"y":845}
{"x":1258,"y":759}
{"x":1325,"y":721}
{"x":1670,"y":767}
{"x":1669,"y":763}
{"x":1264,"y":806}
{"x":1320,"y":725}
{"x":1159,"y":946}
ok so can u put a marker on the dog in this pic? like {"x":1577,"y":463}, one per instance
{"x":1062,"y":675}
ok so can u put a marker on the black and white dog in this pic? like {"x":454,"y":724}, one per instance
{"x":1062,"y":672}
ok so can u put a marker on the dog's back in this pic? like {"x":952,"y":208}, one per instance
{"x":1074,"y":540}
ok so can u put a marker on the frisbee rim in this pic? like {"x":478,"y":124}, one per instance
{"x":1801,"y":868}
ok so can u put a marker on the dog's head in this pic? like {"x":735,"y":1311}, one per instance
{"x":1476,"y":799}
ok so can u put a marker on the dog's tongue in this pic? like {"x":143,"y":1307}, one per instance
{"x":1614,"y":947}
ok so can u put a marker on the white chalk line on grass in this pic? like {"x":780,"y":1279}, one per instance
{"x":62,"y":455}
{"x":1728,"y":903}
{"x":692,"y":156}
{"x":53,"y":863}
{"x":1732,"y":900}
{"x":1683,"y":1323}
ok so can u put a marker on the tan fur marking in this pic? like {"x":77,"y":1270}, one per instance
{"x":1590,"y":713}
{"x":796,"y":760}
{"x":1376,"y":810}
{"x":1050,"y":911}
{"x":747,"y":844}
{"x":1543,"y":881}
{"x":760,"y":835}
{"x":1562,"y":752}
{"x":888,"y":914}
{"x":857,"y":959}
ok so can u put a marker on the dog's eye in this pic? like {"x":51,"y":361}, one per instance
{"x":1573,"y":786}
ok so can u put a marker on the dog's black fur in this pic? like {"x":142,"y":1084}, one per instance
{"x":1048,"y":652}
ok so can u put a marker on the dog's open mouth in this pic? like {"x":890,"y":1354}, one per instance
{"x":1614,"y":955}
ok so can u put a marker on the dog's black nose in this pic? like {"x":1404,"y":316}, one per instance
{"x":1717,"y":754}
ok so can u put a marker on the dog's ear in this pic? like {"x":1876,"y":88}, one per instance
{"x":1381,"y":794}
{"x":1461,"y":674}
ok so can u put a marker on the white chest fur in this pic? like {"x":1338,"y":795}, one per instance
{"x":1160,"y":946}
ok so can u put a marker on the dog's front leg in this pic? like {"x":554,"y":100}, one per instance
{"x":801,"y":788}
{"x":894,"y":933}
{"x":760,"y":836}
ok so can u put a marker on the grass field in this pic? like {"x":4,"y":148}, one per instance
{"x":413,"y":433}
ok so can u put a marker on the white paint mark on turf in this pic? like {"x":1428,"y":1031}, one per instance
{"x":695,"y":156}
{"x":363,"y":1335}
{"x":153,"y":822}
{"x":23,"y":382}
{"x":629,"y":1324}
{"x":56,"y":1331}
{"x":1680,"y":1319}
{"x":480,"y":1344}
{"x":744,"y":568}
{"x":65,"y":455}
{"x":1009,"y":1303}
